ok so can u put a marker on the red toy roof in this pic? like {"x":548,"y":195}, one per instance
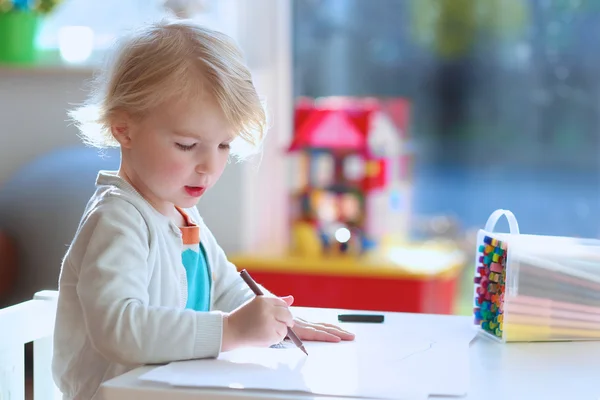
{"x":331,"y":127}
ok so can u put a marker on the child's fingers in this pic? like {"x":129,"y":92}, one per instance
{"x":335,"y":330}
{"x":276,"y":301}
{"x":313,"y":334}
{"x":331,"y":326}
{"x":323,"y":324}
{"x":281,"y":332}
{"x":289,"y":300}
{"x":283,"y":315}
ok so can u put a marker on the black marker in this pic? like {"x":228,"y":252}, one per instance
{"x":374,"y":318}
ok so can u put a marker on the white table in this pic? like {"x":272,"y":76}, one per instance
{"x":511,"y":371}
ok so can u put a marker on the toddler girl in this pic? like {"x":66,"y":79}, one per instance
{"x":144,"y":280}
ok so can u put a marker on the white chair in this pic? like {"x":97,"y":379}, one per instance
{"x":30,"y":321}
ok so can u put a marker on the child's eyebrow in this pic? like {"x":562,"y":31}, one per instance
{"x":200,"y":137}
{"x":187,"y":134}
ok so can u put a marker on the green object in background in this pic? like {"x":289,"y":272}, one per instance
{"x":18,"y":31}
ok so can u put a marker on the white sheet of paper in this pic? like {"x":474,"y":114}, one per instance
{"x":375,"y":365}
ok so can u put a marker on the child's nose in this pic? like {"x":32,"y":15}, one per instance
{"x":206,"y":164}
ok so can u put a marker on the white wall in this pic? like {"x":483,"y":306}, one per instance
{"x":33,"y":108}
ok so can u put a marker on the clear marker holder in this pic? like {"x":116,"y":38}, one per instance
{"x":535,"y":288}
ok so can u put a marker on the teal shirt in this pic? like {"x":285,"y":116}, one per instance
{"x":198,"y":278}
{"x":196,"y":267}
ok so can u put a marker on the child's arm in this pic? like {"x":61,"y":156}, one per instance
{"x":113,"y":292}
{"x":231,"y":291}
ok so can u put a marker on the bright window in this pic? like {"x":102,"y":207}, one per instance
{"x":108,"y":18}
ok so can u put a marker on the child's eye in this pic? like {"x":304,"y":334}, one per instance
{"x":225,"y":146}
{"x":185,"y":147}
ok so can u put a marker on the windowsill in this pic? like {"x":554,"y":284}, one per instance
{"x":49,"y":61}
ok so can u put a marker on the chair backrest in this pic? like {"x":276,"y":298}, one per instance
{"x":30,"y":321}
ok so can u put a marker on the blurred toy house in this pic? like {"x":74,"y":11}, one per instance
{"x":352,"y":170}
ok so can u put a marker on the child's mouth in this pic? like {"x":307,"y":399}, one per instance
{"x":194,"y":191}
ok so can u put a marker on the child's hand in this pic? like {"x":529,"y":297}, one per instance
{"x":320,"y":332}
{"x":262,"y":321}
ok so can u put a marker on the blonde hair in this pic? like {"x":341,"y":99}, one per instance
{"x":168,"y":60}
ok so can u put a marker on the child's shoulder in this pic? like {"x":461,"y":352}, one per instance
{"x":115,"y":200}
{"x":108,"y":208}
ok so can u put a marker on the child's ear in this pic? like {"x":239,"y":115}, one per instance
{"x":120,"y":129}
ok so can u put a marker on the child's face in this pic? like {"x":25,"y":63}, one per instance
{"x":178,"y":152}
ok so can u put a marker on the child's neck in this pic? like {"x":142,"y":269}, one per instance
{"x":165,"y":208}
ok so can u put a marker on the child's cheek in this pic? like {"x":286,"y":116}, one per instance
{"x":175,"y":170}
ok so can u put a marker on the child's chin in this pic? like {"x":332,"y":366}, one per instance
{"x":188,"y":202}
